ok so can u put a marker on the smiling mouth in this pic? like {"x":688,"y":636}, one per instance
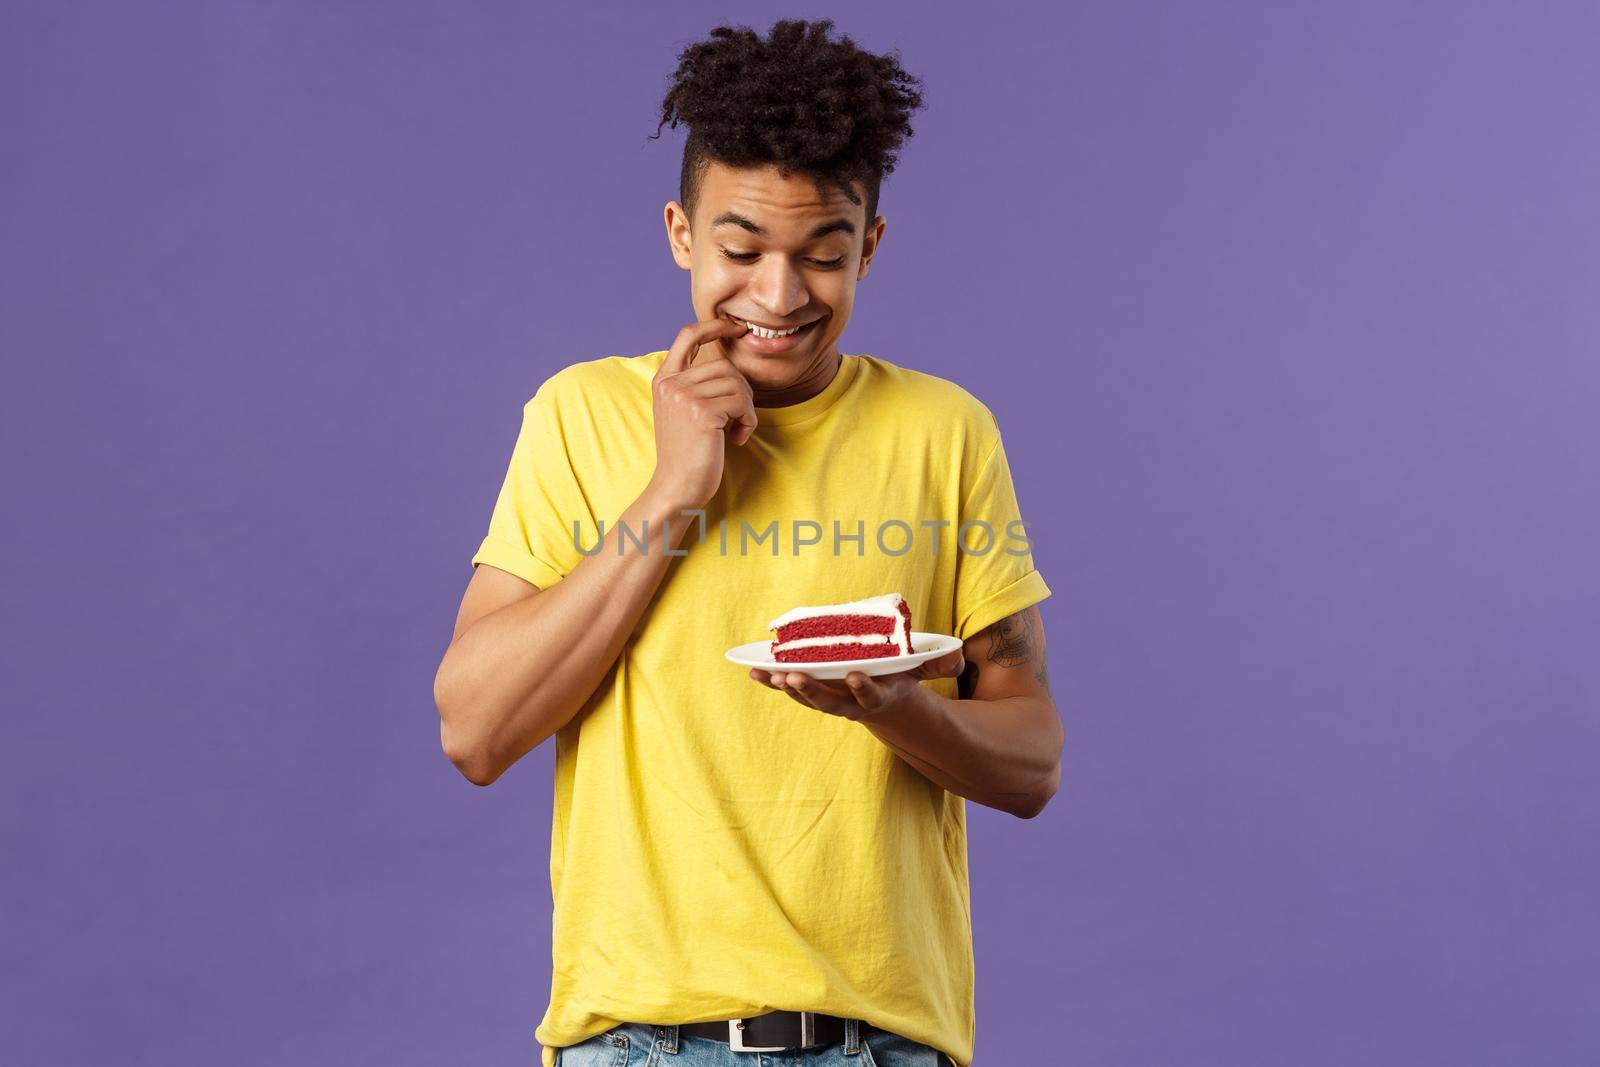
{"x":779,"y":329}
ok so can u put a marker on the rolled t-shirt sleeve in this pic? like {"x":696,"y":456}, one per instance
{"x":991,"y":585}
{"x":531,"y":528}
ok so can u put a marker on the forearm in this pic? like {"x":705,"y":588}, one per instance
{"x":519,"y":674}
{"x":999,"y":753}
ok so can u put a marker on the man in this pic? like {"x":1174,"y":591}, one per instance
{"x":762,"y":861}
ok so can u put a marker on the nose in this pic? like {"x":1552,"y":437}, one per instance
{"x":778,"y":288}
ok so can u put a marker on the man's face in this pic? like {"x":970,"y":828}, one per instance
{"x":787,"y":275}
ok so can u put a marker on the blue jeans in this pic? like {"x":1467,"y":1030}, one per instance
{"x":641,"y":1045}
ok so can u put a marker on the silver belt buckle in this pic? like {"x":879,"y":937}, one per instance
{"x":808,"y":1034}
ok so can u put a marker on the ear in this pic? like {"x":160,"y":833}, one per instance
{"x":869,"y":245}
{"x":678,"y":234}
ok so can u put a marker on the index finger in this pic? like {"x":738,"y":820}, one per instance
{"x":687,"y":344}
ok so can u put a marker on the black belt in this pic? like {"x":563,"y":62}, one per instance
{"x":776,"y":1031}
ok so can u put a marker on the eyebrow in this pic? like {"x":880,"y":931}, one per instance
{"x":733,"y":218}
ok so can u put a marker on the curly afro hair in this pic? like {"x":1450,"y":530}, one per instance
{"x":795,"y":100}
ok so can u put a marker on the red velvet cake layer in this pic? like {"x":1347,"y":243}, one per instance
{"x":824,"y":653}
{"x":836,"y":626}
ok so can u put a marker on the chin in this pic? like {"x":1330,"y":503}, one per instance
{"x":767,"y":370}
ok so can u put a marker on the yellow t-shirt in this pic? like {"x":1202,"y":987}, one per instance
{"x":719,"y":850}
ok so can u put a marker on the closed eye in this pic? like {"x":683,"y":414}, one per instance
{"x":746,"y":257}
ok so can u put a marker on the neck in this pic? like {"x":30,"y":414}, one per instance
{"x":809,"y":384}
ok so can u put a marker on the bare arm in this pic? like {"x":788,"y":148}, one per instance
{"x":999,"y":743}
{"x":523,"y":661}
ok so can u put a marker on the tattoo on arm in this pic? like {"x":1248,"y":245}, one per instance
{"x":1012,"y":641}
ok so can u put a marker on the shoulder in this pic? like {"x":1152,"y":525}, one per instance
{"x":607,"y":379}
{"x":939,"y":404}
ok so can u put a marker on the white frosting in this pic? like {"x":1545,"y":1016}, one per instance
{"x":886,"y":605}
{"x":808,"y":642}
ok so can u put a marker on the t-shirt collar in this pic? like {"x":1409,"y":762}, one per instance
{"x":816,"y":405}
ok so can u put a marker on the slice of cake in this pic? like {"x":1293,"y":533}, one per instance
{"x":873,"y":628}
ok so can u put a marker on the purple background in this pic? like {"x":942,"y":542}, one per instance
{"x":1288,"y":313}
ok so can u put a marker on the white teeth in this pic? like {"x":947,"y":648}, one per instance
{"x":762,"y":331}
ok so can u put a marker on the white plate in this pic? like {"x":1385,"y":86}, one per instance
{"x":925,"y":646}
